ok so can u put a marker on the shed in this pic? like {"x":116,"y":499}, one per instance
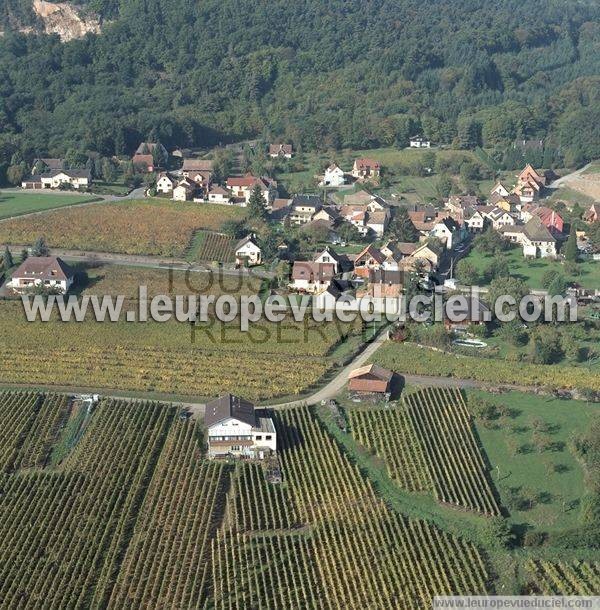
{"x":370,"y":379}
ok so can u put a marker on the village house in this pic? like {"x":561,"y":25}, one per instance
{"x":498,"y":217}
{"x":371,"y":379}
{"x":329,"y":256}
{"x":475,"y":223}
{"x":334,"y":176}
{"x":509,"y":203}
{"x":401,"y":248}
{"x":530,"y":184}
{"x":366,"y":260}
{"x":285,"y":151}
{"x":241,"y":188}
{"x":378,"y":221}
{"x":79,"y":179}
{"x":199,"y":170}
{"x":49,"y":272}
{"x":500,"y":190}
{"x":280,"y":209}
{"x":360,"y":198}
{"x":366,"y":169}
{"x":164,"y":183}
{"x":185,"y":190}
{"x":356,"y":215}
{"x":592,"y":214}
{"x":336,"y":297}
{"x":219,"y":194}
{"x":237,"y":429}
{"x":535,"y":239}
{"x":248,"y":252}
{"x":458,"y":204}
{"x":43,"y":165}
{"x":429,"y":255}
{"x":143,"y":159}
{"x":448,"y":231}
{"x":423,"y":218}
{"x":303,"y":208}
{"x":327,"y":212}
{"x":312,"y":277}
{"x":383,"y":284}
{"x":419,"y":142}
{"x":551,"y":219}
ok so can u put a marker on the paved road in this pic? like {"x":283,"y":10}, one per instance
{"x":560,"y":181}
{"x":148,"y":262}
{"x":332,"y":389}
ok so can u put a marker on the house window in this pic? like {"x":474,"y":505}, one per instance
{"x":268,"y":437}
{"x":259,"y":437}
{"x":236,"y":448}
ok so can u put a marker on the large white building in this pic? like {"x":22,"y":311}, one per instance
{"x":49,"y":272}
{"x":236,"y":429}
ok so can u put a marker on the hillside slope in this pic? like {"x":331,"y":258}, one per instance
{"x":322,"y":74}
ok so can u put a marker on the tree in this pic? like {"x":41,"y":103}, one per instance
{"x":509,"y":286}
{"x":444,"y":185}
{"x":7,"y":259}
{"x":40,"y":248}
{"x":109,"y":171}
{"x":401,"y":228}
{"x":257,"y":206}
{"x":235,"y":228}
{"x":545,"y":346}
{"x":348,"y":233}
{"x":158,"y":155}
{"x":497,"y":533}
{"x":16,"y":173}
{"x":571,"y":247}
{"x":467,"y":272}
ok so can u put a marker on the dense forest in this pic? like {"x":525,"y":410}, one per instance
{"x":341,"y":73}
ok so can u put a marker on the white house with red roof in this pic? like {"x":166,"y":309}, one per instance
{"x":366,"y":169}
{"x":241,"y":187}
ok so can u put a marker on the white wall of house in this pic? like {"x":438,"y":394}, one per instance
{"x":164,"y":185}
{"x":334,"y":177}
{"x":251,"y":252}
{"x":55,"y":182}
{"x":26,"y":283}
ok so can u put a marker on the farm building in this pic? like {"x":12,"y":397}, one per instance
{"x":371,"y":379}
{"x":236,"y":429}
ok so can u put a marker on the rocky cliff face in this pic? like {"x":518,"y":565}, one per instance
{"x":65,"y":20}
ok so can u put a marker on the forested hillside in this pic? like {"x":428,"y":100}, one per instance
{"x":341,"y":73}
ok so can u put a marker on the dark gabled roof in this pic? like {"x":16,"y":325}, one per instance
{"x":227,"y":406}
{"x":73,"y":173}
{"x":198,"y":165}
{"x":249,"y":239}
{"x":307,"y":200}
{"x":44,"y":268}
{"x":50,"y":163}
{"x":371,"y":251}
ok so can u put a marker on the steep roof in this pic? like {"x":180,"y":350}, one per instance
{"x":44,"y":268}
{"x":227,"y":406}
{"x":246,"y":240}
{"x":275,"y":149}
{"x":304,"y":270}
{"x":536,"y":231}
{"x":371,"y":251}
{"x":385,"y":276}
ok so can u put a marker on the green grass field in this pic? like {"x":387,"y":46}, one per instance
{"x":552,"y":478}
{"x":16,"y":204}
{"x":532,"y":271}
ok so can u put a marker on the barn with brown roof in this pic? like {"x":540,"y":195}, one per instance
{"x":370,"y":379}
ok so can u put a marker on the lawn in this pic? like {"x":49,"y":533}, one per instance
{"x":163,"y":228}
{"x":17,"y":204}
{"x":536,"y":465}
{"x":532,"y":271}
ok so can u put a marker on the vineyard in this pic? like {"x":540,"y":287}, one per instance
{"x":167,"y":357}
{"x":216,"y":247}
{"x":161,"y":228}
{"x":575,"y":578}
{"x":428,"y":444}
{"x":411,"y":359}
{"x":346,"y":532}
{"x":134,"y":517}
{"x":62,"y":531}
{"x":29,"y":425}
{"x":120,"y":280}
